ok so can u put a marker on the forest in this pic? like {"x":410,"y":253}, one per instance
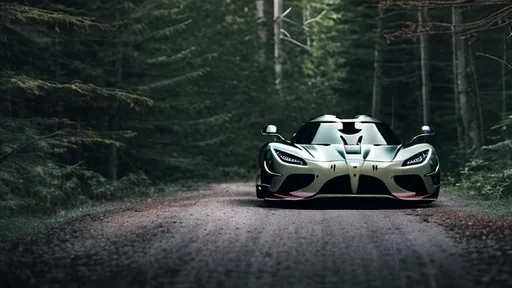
{"x":107,"y":100}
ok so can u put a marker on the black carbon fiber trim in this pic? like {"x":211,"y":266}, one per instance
{"x":337,"y":185}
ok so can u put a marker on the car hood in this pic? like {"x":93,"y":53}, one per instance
{"x":384,"y":153}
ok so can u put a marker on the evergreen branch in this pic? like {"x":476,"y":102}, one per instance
{"x":296,"y":43}
{"x":282,"y":15}
{"x":23,"y":13}
{"x":35,"y":86}
{"x":286,"y":33}
{"x":173,"y":81}
{"x":4,"y":157}
{"x":163,"y":32}
{"x":296,"y":24}
{"x":495,"y":58}
{"x":216,"y":119}
{"x":36,"y":120}
{"x":503,"y":123}
{"x":211,"y":141}
{"x":171,"y":59}
{"x":316,"y":18}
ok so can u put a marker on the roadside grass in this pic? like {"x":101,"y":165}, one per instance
{"x":499,"y":207}
{"x":18,"y":226}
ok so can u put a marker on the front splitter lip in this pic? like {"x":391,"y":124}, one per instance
{"x":347,"y":196}
{"x":408,"y":196}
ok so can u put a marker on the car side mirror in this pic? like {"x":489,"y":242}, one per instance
{"x":427,"y":130}
{"x":271,"y":130}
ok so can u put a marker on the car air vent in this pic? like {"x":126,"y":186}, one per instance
{"x":294,"y":182}
{"x":413,"y":183}
{"x":337,"y":185}
{"x":370,"y":185}
{"x":353,"y":149}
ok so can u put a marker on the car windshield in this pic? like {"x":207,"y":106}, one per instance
{"x":348,"y":133}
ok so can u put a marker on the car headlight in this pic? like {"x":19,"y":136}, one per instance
{"x":289,"y":158}
{"x":416,"y":158}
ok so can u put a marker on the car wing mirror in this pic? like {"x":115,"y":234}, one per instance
{"x":425,"y":131}
{"x":271,"y":130}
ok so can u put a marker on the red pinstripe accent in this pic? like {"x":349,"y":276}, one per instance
{"x":300,"y":194}
{"x":409,"y":196}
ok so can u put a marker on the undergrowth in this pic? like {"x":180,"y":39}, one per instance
{"x":489,"y":172}
{"x":48,"y":189}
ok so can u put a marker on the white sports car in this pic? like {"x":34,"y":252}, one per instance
{"x":360,"y":157}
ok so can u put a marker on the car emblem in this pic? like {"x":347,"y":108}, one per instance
{"x":374,"y":167}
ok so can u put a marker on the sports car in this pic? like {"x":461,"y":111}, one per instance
{"x":359,"y":157}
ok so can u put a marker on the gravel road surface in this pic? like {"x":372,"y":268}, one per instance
{"x":222,"y":236}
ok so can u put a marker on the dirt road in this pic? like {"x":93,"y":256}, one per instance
{"x":223,"y":236}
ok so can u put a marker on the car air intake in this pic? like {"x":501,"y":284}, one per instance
{"x":412,"y":183}
{"x":295,"y":182}
{"x":337,"y":185}
{"x":369,"y":185}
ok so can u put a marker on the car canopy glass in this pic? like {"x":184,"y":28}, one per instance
{"x":348,"y":133}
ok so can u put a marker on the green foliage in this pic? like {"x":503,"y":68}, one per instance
{"x":489,"y":172}
{"x":17,"y":12}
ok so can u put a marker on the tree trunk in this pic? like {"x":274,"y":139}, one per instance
{"x":478,"y":122}
{"x":466,"y":108}
{"x":376,"y":95}
{"x":9,"y":103}
{"x":425,"y":79}
{"x":268,"y":14}
{"x":504,"y":86}
{"x":112,"y":167}
{"x":460,"y":130}
{"x":278,"y":11}
{"x":305,"y":17}
{"x":393,"y":97}
{"x":260,"y":10}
